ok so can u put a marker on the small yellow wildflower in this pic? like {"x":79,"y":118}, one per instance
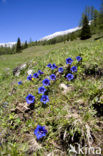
{"x":32,"y":79}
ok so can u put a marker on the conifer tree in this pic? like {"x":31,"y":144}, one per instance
{"x":25,"y":45}
{"x":85,"y":32}
{"x":101,"y":17}
{"x":18,"y":46}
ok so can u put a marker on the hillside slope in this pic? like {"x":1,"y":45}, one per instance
{"x":12,"y":61}
{"x":74,"y":113}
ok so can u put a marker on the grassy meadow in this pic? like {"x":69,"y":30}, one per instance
{"x":12,"y":61}
{"x":71,"y":116}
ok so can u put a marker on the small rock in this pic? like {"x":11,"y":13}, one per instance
{"x":32,"y":142}
{"x":5,"y":104}
{"x":23,"y":66}
{"x":66,"y":66}
{"x":17,"y":70}
{"x":17,"y":73}
{"x":13,"y":110}
{"x":22,"y":108}
{"x":57,"y":74}
{"x":65,"y":88}
{"x":30,"y":72}
{"x":80,"y":101}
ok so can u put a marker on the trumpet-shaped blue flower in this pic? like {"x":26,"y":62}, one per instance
{"x":40,"y":132}
{"x":44,"y":99}
{"x":20,"y":83}
{"x":35,"y":75}
{"x":60,"y":70}
{"x":69,"y":61}
{"x":41,"y":90}
{"x":30,"y":99}
{"x":53,"y":66}
{"x":46,"y":82}
{"x":70,"y":77}
{"x":49,"y":65}
{"x":53,"y":77}
{"x":74,"y":69}
{"x":79,"y":58}
{"x":40,"y":72}
{"x":29,"y":77}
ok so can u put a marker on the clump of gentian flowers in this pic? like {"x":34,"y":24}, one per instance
{"x":40,"y":72}
{"x":35,"y":75}
{"x":69,"y":61}
{"x":49,"y":65}
{"x":79,"y":58}
{"x":52,"y":66}
{"x":44,"y":99}
{"x":60,"y":70}
{"x":70,"y":76}
{"x":73,"y":69}
{"x":53,"y":77}
{"x":29,"y":77}
{"x":40,"y":132}
{"x":20,"y":83}
{"x":30,"y":99}
{"x":41,"y":90}
{"x":46,"y":82}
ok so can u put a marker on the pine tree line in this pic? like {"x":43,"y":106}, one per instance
{"x":95,"y":17}
{"x":85,"y":32}
{"x":15,"y":49}
{"x":20,"y":46}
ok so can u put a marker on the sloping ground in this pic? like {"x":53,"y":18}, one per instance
{"x":12,"y":61}
{"x":74,"y":113}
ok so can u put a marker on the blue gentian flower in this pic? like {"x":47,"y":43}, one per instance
{"x":74,"y":69}
{"x":20,"y":83}
{"x":35,"y":75}
{"x":60,"y":70}
{"x":40,"y":132}
{"x":79,"y":58}
{"x":53,"y":66}
{"x":44,"y":99}
{"x":46,"y":82}
{"x":49,"y":65}
{"x":30,"y":99}
{"x":69,"y":61}
{"x":41,"y":90}
{"x":70,"y":76}
{"x":40,"y":72}
{"x":53,"y":77}
{"x":29,"y":77}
